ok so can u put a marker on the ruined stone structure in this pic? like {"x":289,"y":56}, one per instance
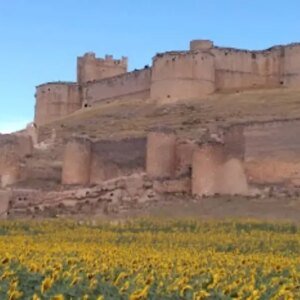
{"x":77,"y":162}
{"x":13,"y":148}
{"x":202,"y":70}
{"x":207,"y":162}
{"x":161,"y":154}
{"x":114,"y":175}
{"x":74,"y":166}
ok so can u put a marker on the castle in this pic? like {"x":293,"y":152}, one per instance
{"x":202,"y":70}
{"x":61,"y":164}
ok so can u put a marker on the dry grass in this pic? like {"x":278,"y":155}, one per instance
{"x":189,"y":118}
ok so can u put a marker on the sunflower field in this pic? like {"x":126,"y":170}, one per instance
{"x":149,"y":259}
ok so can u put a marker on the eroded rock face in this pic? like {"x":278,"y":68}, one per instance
{"x":107,"y":198}
{"x":171,"y":186}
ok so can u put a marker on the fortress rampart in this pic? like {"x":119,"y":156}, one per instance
{"x":131,"y":85}
{"x":254,"y":159}
{"x":202,"y":70}
{"x":55,"y":100}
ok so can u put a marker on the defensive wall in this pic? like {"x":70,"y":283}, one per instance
{"x":55,"y":100}
{"x":202,"y":70}
{"x":246,"y":159}
{"x":86,"y":162}
{"x":131,"y":85}
{"x":13,"y":149}
{"x":244,"y":156}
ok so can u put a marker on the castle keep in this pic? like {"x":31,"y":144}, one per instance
{"x":202,"y":70}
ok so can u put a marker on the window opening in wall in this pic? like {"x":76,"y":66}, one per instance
{"x":168,"y":96}
{"x":85,"y":105}
{"x":281,"y":82}
{"x":253,"y":55}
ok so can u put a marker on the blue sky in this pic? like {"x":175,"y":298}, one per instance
{"x":40,"y":40}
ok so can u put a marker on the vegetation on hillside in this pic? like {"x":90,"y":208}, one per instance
{"x":149,"y":259}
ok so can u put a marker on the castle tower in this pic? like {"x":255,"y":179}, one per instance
{"x":77,"y":162}
{"x":90,"y":68}
{"x":182,"y":75}
{"x":55,"y":100}
{"x":13,"y":148}
{"x":291,"y":66}
{"x":10,"y":171}
{"x":161,"y":154}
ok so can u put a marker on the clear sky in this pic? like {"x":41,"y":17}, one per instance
{"x":41,"y":39}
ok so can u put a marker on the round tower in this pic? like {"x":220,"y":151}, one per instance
{"x":55,"y":100}
{"x":161,"y":154}
{"x":182,"y":75}
{"x":77,"y":162}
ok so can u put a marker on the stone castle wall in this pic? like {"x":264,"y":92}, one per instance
{"x":13,"y":149}
{"x":182,"y":75}
{"x":272,"y":152}
{"x":102,"y":174}
{"x":112,"y":159}
{"x":77,"y":162}
{"x":236,"y":69}
{"x":55,"y":100}
{"x":131,"y":85}
{"x":89,"y":163}
{"x":196,"y":73}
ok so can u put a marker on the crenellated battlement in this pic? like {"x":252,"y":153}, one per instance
{"x":107,"y":60}
{"x":91,"y":68}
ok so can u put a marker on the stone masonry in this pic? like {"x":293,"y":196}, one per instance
{"x":202,"y":70}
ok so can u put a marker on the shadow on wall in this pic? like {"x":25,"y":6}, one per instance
{"x":92,"y":163}
{"x":176,"y":165}
{"x":213,"y":170}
